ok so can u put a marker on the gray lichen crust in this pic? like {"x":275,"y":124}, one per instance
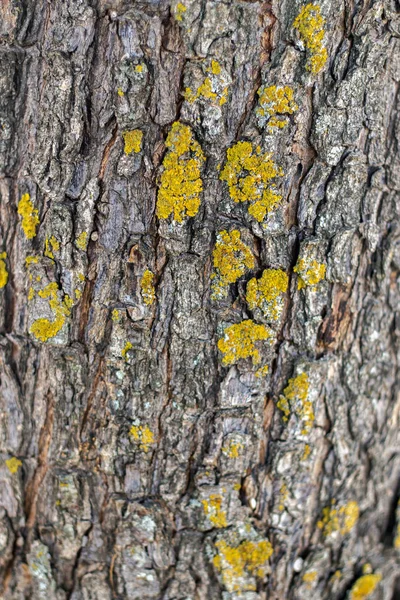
{"x":199,"y":291}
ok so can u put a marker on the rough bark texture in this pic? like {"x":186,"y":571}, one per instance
{"x":148,"y":469}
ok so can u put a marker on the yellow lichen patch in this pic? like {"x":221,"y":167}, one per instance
{"x":44,"y":329}
{"x":240,"y":565}
{"x":142,"y":436}
{"x":181,"y":184}
{"x":3,"y":269}
{"x":13,"y":464}
{"x":78,"y":294}
{"x":139,"y":68}
{"x":283,"y":496}
{"x":266,"y":293}
{"x":179,"y":11}
{"x":364,"y":586}
{"x":231,"y":258}
{"x":31,"y":260}
{"x":295,"y":396}
{"x":249,"y":176}
{"x":214,"y":87}
{"x":120,"y":93}
{"x":233,"y":450}
{"x":276,"y":102}
{"x":306,"y":452}
{"x":31,"y":293}
{"x":128,"y":346}
{"x":212,"y":509}
{"x":115,"y":315}
{"x":310,"y":25}
{"x":147,"y":288}
{"x":310,"y":577}
{"x":239,"y":341}
{"x":81,"y":277}
{"x":262,"y":371}
{"x":396,"y":542}
{"x":310,"y":272}
{"x":30,"y":216}
{"x":341,"y":519}
{"x":132,"y":141}
{"x":51,"y":245}
{"x":81,"y":241}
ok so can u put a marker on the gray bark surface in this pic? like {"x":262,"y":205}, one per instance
{"x":93,"y":512}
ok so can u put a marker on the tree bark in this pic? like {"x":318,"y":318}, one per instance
{"x":139,"y":459}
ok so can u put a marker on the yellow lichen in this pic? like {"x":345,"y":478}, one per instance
{"x":239,"y":341}
{"x":214,"y":87}
{"x":139,"y":68}
{"x":306,"y":452}
{"x":44,"y":329}
{"x":181,"y":183}
{"x":310,"y":272}
{"x":78,"y":294}
{"x":233,"y":450}
{"x":295,"y":396}
{"x":283,"y":496}
{"x":133,"y":141}
{"x":396,"y":541}
{"x":364,"y":586}
{"x":231,"y":258}
{"x":249,"y":175}
{"x":275,"y":103}
{"x":3,"y":269}
{"x":266,"y":293}
{"x":143,"y":436}
{"x":341,"y":519}
{"x":13,"y":464}
{"x":212,"y":509}
{"x":81,"y":241}
{"x":31,"y":293}
{"x":31,"y":260}
{"x":128,"y":346}
{"x":81,"y":277}
{"x":30,"y":216}
{"x":179,"y":11}
{"x":309,"y":578}
{"x":240,"y":565}
{"x":115,"y":315}
{"x":310,"y":25}
{"x":51,"y":245}
{"x":147,"y":288}
{"x":120,"y":93}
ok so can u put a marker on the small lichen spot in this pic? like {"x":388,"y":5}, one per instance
{"x":239,"y":342}
{"x":3,"y":270}
{"x":310,"y":25}
{"x":124,"y":352}
{"x":132,"y":141}
{"x":310,"y":272}
{"x":341,"y":519}
{"x":81,"y":241}
{"x":30,"y":216}
{"x":275,"y":103}
{"x":295,"y":396}
{"x":231,"y":259}
{"x":364,"y":586}
{"x":179,"y":11}
{"x":147,"y":288}
{"x":13,"y":464}
{"x":181,"y":184}
{"x":212,"y":509}
{"x":51,"y":245}
{"x":44,"y":329}
{"x":115,"y":315}
{"x":142,"y":436}
{"x":267,"y":292}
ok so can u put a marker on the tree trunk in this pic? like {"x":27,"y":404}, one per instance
{"x":200,"y":299}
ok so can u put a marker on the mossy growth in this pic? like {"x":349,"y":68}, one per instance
{"x":213,"y":510}
{"x":249,"y":176}
{"x":215,"y":86}
{"x":267,"y":292}
{"x":310,"y":25}
{"x":295,"y":397}
{"x":30,"y":216}
{"x":44,"y":329}
{"x":231,"y":259}
{"x":339,"y":519}
{"x":310,"y":272}
{"x":147,"y":288}
{"x":51,"y":245}
{"x":181,"y":184}
{"x":13,"y":464}
{"x":143,"y":436}
{"x":132,"y":141}
{"x":240,"y":565}
{"x":3,"y":270}
{"x":364,"y":586}
{"x":239,"y":342}
{"x":274,"y":104}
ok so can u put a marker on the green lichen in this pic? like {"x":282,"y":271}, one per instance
{"x":295,"y":397}
{"x":147,"y":288}
{"x":132,"y":141}
{"x":310,"y":25}
{"x":181,"y":184}
{"x":231,"y":259}
{"x":267,"y":292}
{"x":3,"y":270}
{"x":44,"y":329}
{"x":276,"y":102}
{"x":239,"y":342}
{"x":249,"y":176}
{"x":30,"y":216}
